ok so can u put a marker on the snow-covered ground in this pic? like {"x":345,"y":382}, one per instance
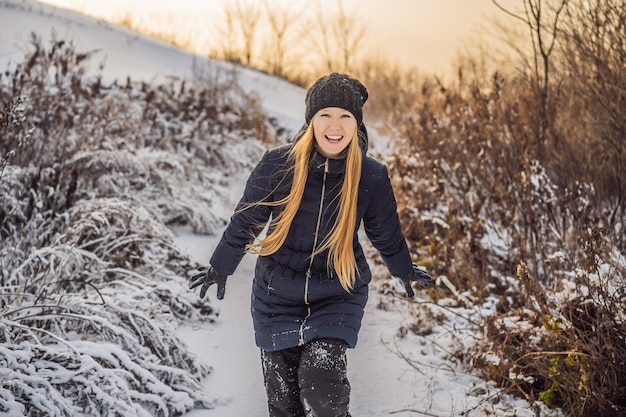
{"x":389,"y":374}
{"x":393,"y":371}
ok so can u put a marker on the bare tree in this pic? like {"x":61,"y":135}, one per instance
{"x":542,"y":22}
{"x":338,"y":38}
{"x":282,"y":25}
{"x":348,"y":34}
{"x":238,"y":30}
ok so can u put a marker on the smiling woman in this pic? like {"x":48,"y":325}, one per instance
{"x":311,"y":279}
{"x":419,"y":33}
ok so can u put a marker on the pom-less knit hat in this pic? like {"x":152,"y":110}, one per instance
{"x":336,"y":90}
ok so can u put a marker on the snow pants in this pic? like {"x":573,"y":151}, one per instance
{"x":307,"y":381}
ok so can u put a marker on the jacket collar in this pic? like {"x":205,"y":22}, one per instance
{"x":336,"y":166}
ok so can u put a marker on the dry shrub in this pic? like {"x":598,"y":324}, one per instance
{"x":68,"y":112}
{"x":489,"y":207}
{"x":566,"y":348}
{"x":88,"y":140}
{"x":594,"y":56}
{"x":455,"y":162}
{"x":91,"y":283}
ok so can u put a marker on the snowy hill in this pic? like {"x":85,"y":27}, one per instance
{"x":128,"y":54}
{"x":186,"y":357}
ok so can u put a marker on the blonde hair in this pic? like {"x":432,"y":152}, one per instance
{"x":339,"y":241}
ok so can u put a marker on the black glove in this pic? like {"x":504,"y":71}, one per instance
{"x":418,"y":275}
{"x":207,"y":277}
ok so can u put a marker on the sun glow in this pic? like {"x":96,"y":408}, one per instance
{"x":420,"y":33}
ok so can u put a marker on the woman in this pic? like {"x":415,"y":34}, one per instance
{"x":311,"y":277}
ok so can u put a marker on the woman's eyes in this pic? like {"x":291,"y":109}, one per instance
{"x":343,"y":116}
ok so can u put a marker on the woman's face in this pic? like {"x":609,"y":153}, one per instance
{"x":333,"y":128}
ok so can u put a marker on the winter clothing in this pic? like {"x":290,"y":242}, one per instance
{"x":281,"y":317}
{"x":336,"y":90}
{"x":418,"y":275}
{"x":207,"y":277}
{"x":304,"y":320}
{"x":308,"y":380}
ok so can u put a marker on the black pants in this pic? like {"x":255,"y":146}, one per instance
{"x":307,"y":381}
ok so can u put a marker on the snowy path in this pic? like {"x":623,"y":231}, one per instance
{"x":228,"y":346}
{"x":381,"y":381}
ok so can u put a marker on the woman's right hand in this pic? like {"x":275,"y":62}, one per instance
{"x":207,"y":277}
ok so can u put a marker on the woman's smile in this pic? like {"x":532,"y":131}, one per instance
{"x":334,"y":129}
{"x":334,"y":139}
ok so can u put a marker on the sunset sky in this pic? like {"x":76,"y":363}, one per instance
{"x":426,"y":34}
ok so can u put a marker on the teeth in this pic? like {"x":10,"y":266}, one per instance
{"x":334,"y":137}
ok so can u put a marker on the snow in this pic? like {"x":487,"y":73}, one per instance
{"x":390,"y":372}
{"x":128,"y":54}
{"x":382,"y":379}
{"x":403,"y":364}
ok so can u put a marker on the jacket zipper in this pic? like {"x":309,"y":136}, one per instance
{"x":308,"y":272}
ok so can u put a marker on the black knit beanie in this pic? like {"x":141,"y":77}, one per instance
{"x":336,"y":90}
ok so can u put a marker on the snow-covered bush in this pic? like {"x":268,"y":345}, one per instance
{"x":91,"y":284}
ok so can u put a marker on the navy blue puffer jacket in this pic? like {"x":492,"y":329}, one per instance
{"x":289,"y":308}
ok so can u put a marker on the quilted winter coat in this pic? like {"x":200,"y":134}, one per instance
{"x":296,"y":299}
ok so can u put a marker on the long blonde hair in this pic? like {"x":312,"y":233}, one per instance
{"x":339,"y":241}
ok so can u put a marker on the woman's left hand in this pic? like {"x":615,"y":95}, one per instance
{"x":418,"y":275}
